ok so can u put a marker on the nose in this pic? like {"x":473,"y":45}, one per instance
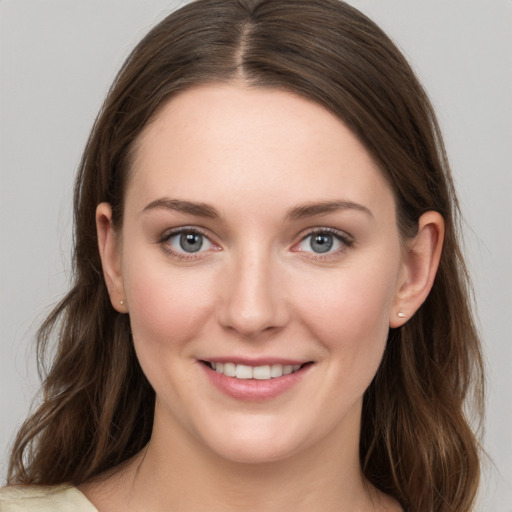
{"x":253,"y":297}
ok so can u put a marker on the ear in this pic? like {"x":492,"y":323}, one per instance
{"x":110,"y":254}
{"x":421,"y":260}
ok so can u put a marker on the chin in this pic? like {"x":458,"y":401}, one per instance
{"x":258,"y":450}
{"x":259,"y":440}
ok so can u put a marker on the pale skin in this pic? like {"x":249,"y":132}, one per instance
{"x":297,"y":256}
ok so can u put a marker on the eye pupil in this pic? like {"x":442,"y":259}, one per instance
{"x":191,"y":242}
{"x":321,"y":242}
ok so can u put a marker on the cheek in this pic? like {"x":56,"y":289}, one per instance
{"x":349,"y":312}
{"x":168,"y":310}
{"x":166,"y":306}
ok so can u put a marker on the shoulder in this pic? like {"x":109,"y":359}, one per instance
{"x":32,"y":498}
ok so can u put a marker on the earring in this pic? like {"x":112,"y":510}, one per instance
{"x":121,"y":302}
{"x":400,"y":315}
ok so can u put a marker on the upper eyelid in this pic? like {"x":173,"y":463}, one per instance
{"x":332,"y":231}
{"x":168,"y":233}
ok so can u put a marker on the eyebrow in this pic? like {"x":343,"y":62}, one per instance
{"x":297,"y":213}
{"x":199,"y":209}
{"x":324,"y":207}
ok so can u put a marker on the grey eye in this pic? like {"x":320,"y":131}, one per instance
{"x":321,"y":242}
{"x":191,"y":242}
{"x":188,"y":242}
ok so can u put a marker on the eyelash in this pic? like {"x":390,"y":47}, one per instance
{"x":343,"y":238}
{"x":184,"y":256}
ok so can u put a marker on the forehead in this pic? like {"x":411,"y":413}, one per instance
{"x":220,"y":140}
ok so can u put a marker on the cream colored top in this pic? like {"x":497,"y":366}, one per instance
{"x":32,"y":498}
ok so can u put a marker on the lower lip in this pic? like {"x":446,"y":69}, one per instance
{"x":254,"y":389}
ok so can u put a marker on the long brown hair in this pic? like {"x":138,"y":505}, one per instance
{"x":97,"y":410}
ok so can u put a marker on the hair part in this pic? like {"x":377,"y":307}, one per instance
{"x":97,"y":409}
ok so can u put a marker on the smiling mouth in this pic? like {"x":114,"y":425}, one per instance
{"x":264,"y":372}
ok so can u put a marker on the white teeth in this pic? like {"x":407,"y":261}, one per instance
{"x":276,"y":370}
{"x":243,"y":371}
{"x":261,"y":372}
{"x":265,"y":372}
{"x":229,"y":369}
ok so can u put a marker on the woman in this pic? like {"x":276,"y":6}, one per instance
{"x":270,"y":305}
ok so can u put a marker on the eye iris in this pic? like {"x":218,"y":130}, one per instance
{"x":321,"y":242}
{"x":191,"y":242}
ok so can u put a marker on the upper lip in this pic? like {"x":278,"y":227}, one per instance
{"x":260,"y":361}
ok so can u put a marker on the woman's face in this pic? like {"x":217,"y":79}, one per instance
{"x":259,"y":238}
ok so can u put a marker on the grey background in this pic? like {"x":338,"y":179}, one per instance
{"x":57,"y":59}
